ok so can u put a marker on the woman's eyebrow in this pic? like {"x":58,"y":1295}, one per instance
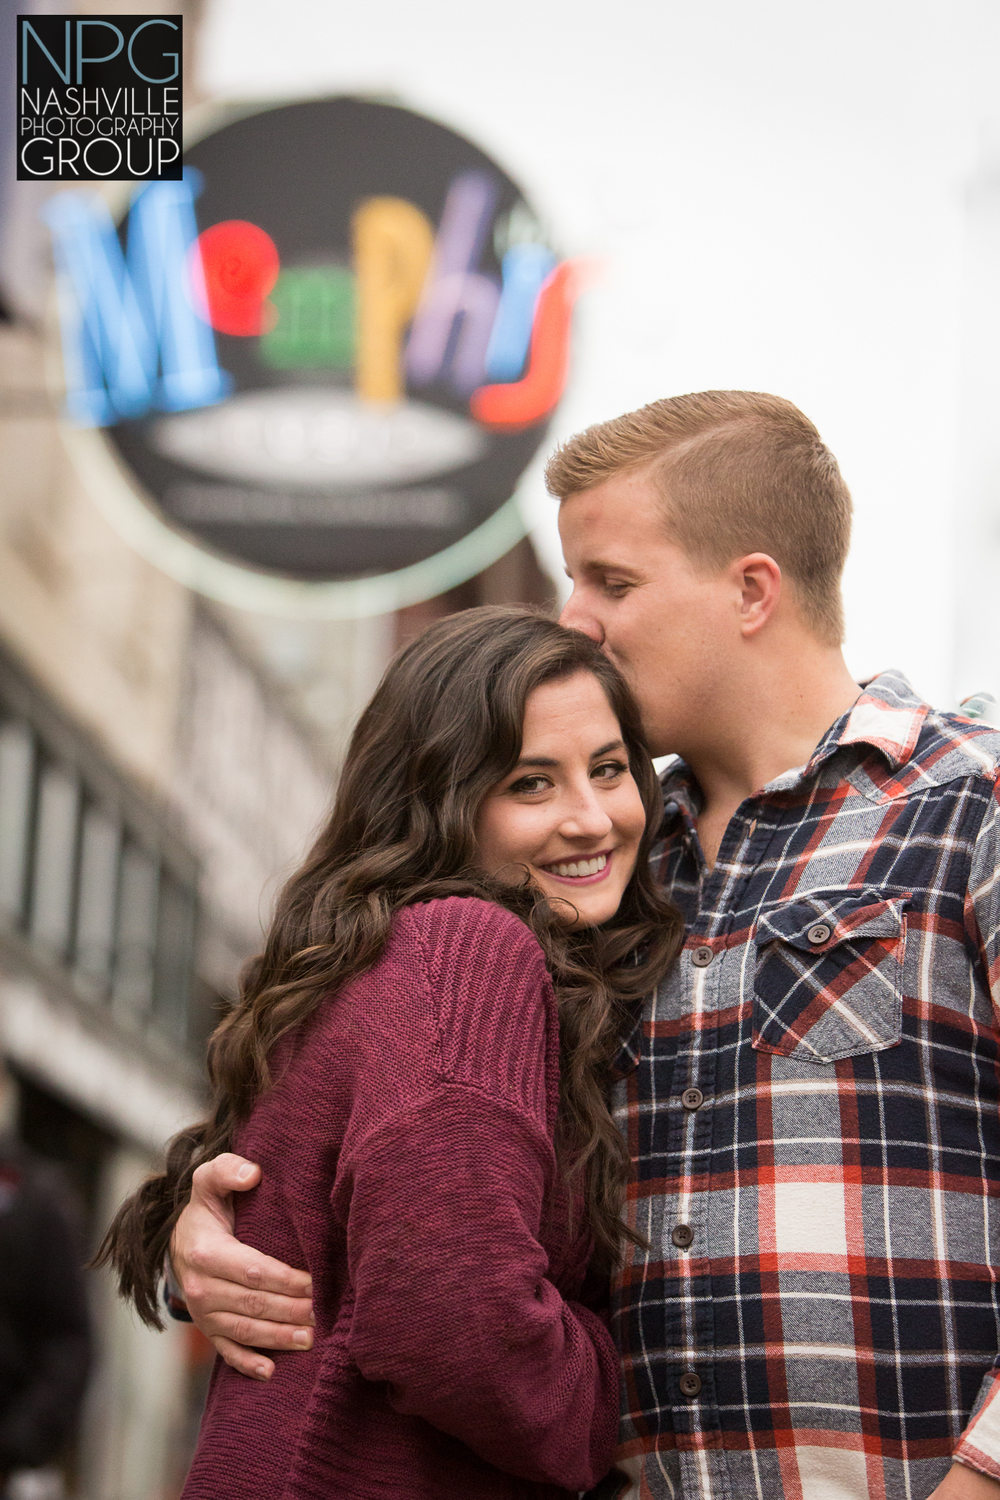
{"x":548,"y":761}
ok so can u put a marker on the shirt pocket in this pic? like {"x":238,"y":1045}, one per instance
{"x":829,"y":972}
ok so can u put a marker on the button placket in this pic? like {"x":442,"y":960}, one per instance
{"x":712,"y":984}
{"x":685,"y":1230}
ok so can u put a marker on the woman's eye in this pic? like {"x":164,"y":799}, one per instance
{"x":609,"y":770}
{"x":529,"y":784}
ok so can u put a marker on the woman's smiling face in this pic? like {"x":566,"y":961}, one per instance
{"x":569,"y":811}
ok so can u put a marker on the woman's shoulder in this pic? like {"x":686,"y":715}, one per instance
{"x":471,"y":927}
{"x":491,"y":993}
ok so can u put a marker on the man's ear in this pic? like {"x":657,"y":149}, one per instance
{"x":757,"y":577}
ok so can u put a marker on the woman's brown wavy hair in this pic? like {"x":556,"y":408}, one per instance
{"x":443,"y":727}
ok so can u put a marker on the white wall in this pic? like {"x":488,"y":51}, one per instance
{"x":778,"y":188}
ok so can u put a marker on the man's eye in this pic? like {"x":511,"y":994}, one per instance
{"x":616,"y":588}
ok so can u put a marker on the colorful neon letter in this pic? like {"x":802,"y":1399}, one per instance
{"x":240,"y":265}
{"x":524,"y":402}
{"x":455,"y":291}
{"x":315,"y":326}
{"x":525,"y":268}
{"x":393,"y":244}
{"x":131,"y":337}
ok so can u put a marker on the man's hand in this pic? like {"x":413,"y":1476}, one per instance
{"x":241,"y":1300}
{"x":962,"y":1483}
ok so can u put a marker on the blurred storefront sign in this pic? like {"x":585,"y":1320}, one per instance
{"x":321,"y":362}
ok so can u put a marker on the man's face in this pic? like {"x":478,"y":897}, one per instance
{"x":668,"y":624}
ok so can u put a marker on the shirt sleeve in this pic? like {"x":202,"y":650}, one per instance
{"x":979,"y":1445}
{"x":453,"y":1307}
{"x":983,"y":899}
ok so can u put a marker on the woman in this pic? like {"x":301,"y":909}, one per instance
{"x":420,"y":1062}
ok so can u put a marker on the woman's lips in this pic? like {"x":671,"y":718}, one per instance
{"x":577,"y":880}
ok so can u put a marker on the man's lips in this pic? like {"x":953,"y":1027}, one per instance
{"x":583,"y":864}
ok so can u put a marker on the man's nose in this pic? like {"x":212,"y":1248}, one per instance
{"x":575,"y":616}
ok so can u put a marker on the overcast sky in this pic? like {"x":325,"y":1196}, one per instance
{"x":779,"y":190}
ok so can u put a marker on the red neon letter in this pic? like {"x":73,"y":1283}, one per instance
{"x":241,"y":264}
{"x":523,"y":402}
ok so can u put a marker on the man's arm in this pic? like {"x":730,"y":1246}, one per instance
{"x":241,"y":1300}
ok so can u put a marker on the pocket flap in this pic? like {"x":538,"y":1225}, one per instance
{"x":844,"y":914}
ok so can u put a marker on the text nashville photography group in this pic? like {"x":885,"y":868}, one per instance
{"x":99,"y":98}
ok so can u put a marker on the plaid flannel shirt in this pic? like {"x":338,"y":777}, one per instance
{"x":811,"y":1101}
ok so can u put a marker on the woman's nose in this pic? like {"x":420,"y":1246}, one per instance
{"x":586,"y":818}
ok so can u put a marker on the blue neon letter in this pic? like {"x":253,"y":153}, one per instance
{"x":131,"y":337}
{"x":525,"y":268}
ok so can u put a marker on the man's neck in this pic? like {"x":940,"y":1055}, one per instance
{"x":774,"y":728}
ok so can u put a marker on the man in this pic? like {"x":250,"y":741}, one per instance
{"x":811,"y":1098}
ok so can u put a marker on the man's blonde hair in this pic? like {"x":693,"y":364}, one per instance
{"x":737,"y":472}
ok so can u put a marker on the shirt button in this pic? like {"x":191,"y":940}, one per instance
{"x":692,"y":1098}
{"x":682,"y":1236}
{"x":690,"y":1384}
{"x":820,"y":933}
{"x":702,"y":957}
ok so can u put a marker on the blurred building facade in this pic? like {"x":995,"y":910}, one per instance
{"x":164,"y":762}
{"x":156,"y":779}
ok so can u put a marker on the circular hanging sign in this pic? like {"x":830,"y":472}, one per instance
{"x":327,"y":354}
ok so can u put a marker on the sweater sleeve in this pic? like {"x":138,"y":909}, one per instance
{"x":453,"y":1306}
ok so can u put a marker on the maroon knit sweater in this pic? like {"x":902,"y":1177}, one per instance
{"x":408,"y":1163}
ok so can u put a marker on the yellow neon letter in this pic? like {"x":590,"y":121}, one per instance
{"x":393,"y":244}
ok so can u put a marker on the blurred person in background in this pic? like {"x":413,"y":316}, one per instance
{"x":421,"y":1059}
{"x":45,"y":1340}
{"x":812,"y":1100}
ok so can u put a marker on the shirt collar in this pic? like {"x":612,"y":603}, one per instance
{"x":888,"y":716}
